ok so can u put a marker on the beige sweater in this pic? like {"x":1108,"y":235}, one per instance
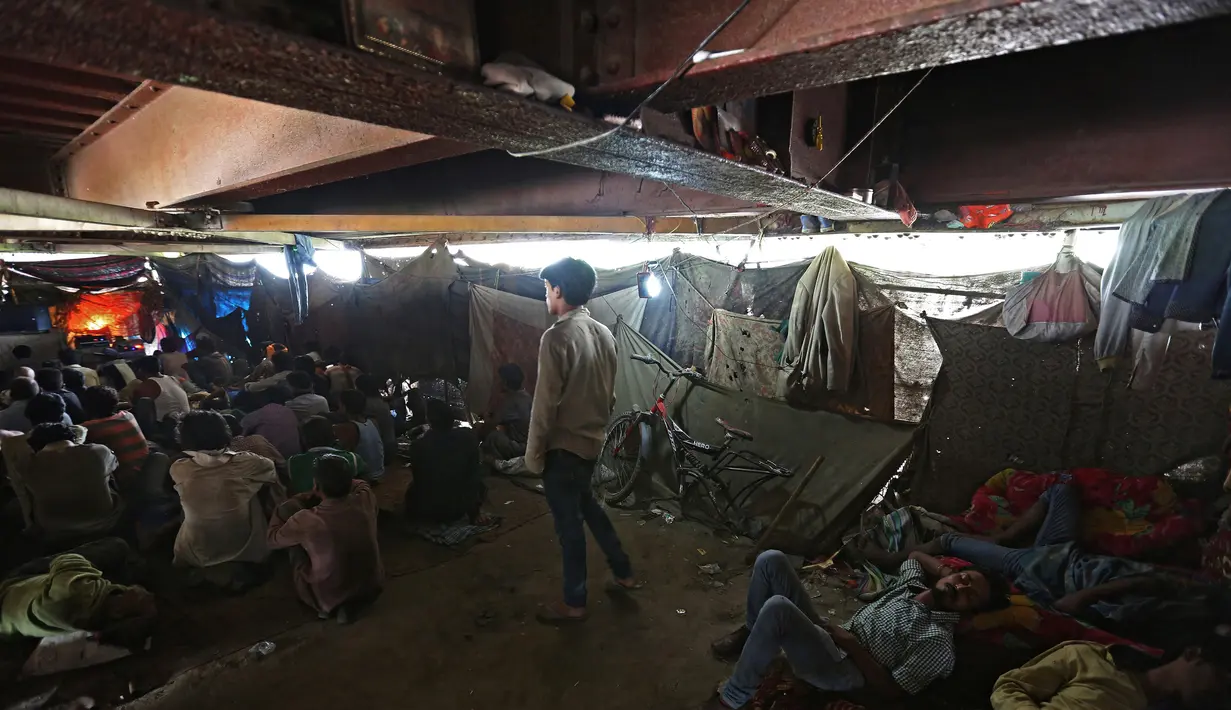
{"x":575,"y":392}
{"x":223,"y":517}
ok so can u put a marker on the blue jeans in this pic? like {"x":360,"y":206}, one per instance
{"x":781,"y":618}
{"x":566,"y":482}
{"x":1060,"y":526}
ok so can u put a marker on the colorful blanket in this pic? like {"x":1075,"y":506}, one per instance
{"x":1123,"y":516}
{"x":1026,"y":624}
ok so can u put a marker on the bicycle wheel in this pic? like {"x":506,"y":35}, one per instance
{"x":620,"y":462}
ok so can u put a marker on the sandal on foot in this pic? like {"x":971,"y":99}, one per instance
{"x":614,"y":587}
{"x":554,"y":615}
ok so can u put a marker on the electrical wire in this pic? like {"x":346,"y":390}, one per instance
{"x":805,"y":188}
{"x":689,"y":62}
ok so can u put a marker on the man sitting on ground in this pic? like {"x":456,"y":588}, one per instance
{"x":368,"y":444}
{"x":255,"y":444}
{"x":332,"y":528}
{"x":1079,"y":674}
{"x":315,"y":373}
{"x":14,"y":417}
{"x":23,"y":356}
{"x":173,"y":357}
{"x":72,"y":361}
{"x":447,"y":470}
{"x":72,"y":592}
{"x":304,"y":402}
{"x":378,"y":410}
{"x":284,"y":365}
{"x":319,"y":440}
{"x":18,"y":456}
{"x":65,"y":489}
{"x":342,"y":376}
{"x":508,"y":441}
{"x":274,"y":421}
{"x":164,"y":391}
{"x":74,"y":382}
{"x":895,"y":646}
{"x":214,"y":367}
{"x":221,"y":492}
{"x":51,"y":380}
{"x":106,"y":424}
{"x":267,"y":367}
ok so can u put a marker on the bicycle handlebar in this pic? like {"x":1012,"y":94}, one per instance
{"x":689,"y":374}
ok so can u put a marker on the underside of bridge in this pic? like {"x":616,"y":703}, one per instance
{"x":229,"y":124}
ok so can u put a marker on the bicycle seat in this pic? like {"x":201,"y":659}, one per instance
{"x":732,"y":431}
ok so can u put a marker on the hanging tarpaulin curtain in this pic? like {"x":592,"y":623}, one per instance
{"x":210,"y":292}
{"x":299,"y":255}
{"x":505,"y":327}
{"x":210,"y":284}
{"x":97,"y":272}
{"x":228,"y":274}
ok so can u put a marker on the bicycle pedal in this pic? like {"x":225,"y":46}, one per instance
{"x":605,"y":474}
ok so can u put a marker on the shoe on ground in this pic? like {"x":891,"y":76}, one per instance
{"x":346,"y":615}
{"x":730,"y":646}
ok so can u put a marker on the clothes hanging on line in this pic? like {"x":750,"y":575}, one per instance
{"x":1156,"y":244}
{"x":820,"y":342}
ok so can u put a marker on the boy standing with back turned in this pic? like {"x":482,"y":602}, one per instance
{"x":573,"y":399}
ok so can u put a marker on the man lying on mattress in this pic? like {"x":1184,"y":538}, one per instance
{"x":1133,"y":599}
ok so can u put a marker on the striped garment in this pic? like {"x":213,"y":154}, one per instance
{"x":120,"y":433}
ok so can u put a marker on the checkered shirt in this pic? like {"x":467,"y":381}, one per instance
{"x":913,"y":642}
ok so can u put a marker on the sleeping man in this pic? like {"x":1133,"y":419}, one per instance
{"x":1130,"y":598}
{"x":75,"y":592}
{"x":893,"y":647}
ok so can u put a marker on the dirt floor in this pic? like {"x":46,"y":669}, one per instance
{"x":456,"y":628}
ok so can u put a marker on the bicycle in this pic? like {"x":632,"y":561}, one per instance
{"x":624,"y":459}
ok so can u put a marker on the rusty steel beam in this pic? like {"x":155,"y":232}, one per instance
{"x":37,"y":129}
{"x":32,"y":74}
{"x":333,"y":170}
{"x":1064,"y":125}
{"x":53,"y":100}
{"x":126,"y":108}
{"x":174,"y":145}
{"x":44,"y":117}
{"x":487,"y":224}
{"x":795,"y":44}
{"x":492,"y":182}
{"x":39,"y":245}
{"x":142,"y":37}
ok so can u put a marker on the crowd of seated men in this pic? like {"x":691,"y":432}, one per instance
{"x":234,"y":466}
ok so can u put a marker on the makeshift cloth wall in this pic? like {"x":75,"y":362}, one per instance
{"x":506,"y":328}
{"x":916,"y":358}
{"x":741,"y":353}
{"x":678,"y":320}
{"x":1001,"y":402}
{"x":897,"y":355}
{"x":412,"y":323}
{"x":860,"y":454}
